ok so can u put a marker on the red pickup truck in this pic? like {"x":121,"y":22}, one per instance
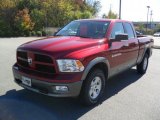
{"x":80,"y":57}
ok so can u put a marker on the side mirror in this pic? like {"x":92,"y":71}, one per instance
{"x":120,"y":37}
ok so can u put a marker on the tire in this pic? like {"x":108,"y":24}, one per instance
{"x":93,"y":87}
{"x":142,"y":67}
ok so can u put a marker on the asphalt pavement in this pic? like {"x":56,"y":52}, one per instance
{"x":128,"y":96}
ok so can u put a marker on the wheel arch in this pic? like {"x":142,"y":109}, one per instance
{"x":148,"y":51}
{"x":99,"y":62}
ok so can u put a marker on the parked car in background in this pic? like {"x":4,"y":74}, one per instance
{"x":157,"y":34}
{"x":78,"y":60}
{"x":138,"y":33}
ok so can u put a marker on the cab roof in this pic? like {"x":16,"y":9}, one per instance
{"x":110,"y":20}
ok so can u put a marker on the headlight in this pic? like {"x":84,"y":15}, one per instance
{"x":69,"y":65}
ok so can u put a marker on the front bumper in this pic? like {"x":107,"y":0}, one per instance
{"x":48,"y":88}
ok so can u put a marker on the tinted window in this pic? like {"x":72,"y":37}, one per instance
{"x":129,"y":30}
{"x":117,"y":29}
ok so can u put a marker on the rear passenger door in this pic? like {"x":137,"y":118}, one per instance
{"x":133,"y":45}
{"x":119,"y":50}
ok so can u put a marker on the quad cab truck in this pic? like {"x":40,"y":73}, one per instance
{"x":79,"y":59}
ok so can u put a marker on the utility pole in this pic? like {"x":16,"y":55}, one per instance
{"x":110,"y":7}
{"x":151,"y":19}
{"x":147,"y":18}
{"x":120,"y":9}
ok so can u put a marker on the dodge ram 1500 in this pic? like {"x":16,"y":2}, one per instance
{"x":80,"y":57}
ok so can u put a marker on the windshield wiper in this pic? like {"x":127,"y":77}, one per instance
{"x":75,"y":35}
{"x":57,"y":35}
{"x":64,"y":35}
{"x":84,"y":36}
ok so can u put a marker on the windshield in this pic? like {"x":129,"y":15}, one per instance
{"x":86,"y":29}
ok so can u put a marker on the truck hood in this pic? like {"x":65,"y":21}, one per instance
{"x":63,"y":46}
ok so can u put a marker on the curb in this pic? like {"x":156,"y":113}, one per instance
{"x":156,"y":47}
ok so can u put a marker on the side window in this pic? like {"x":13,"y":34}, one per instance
{"x":117,"y":29}
{"x":129,"y":30}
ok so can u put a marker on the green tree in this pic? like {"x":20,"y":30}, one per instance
{"x":38,"y":17}
{"x":157,"y":29}
{"x":86,"y":14}
{"x":142,"y":28}
{"x":7,"y":12}
{"x":64,"y":12}
{"x":111,"y":15}
{"x":93,"y":6}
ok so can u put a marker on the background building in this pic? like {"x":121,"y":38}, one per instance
{"x":150,"y":25}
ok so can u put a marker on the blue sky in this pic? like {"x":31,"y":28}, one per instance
{"x":133,"y":10}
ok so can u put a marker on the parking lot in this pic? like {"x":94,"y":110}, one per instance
{"x":128,"y":96}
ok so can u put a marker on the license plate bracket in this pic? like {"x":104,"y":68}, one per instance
{"x":26,"y":81}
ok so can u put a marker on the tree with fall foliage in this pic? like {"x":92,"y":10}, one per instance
{"x":21,"y":17}
{"x":23,"y":23}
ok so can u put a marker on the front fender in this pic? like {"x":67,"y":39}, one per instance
{"x":92,"y":63}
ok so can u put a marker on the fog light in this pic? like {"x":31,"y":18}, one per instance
{"x":61,"y":88}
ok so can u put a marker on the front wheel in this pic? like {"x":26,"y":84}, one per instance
{"x":93,"y":87}
{"x":142,"y":67}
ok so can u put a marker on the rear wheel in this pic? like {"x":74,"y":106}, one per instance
{"x":93,"y":87}
{"x":142,"y":67}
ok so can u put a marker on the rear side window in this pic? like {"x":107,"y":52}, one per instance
{"x":117,"y":29}
{"x":129,"y":30}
